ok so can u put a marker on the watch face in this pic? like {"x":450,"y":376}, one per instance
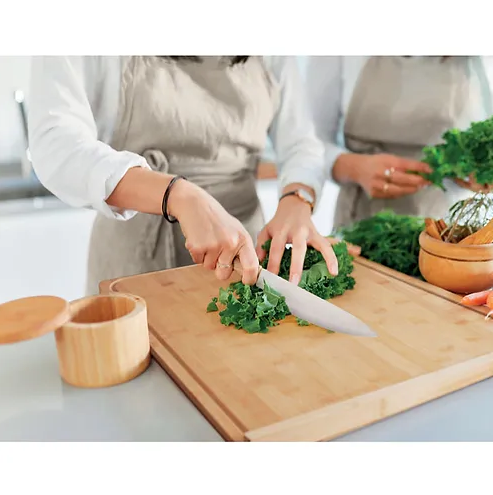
{"x":306,"y":196}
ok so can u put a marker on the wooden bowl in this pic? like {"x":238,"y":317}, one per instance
{"x":458,"y":269}
{"x":105,"y":342}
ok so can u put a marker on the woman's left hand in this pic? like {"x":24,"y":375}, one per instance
{"x":473,"y":186}
{"x":292,"y":224}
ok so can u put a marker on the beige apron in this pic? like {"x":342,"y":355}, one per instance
{"x":399,"y":105}
{"x":205,"y":120}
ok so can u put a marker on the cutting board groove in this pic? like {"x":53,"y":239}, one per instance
{"x":301,"y":383}
{"x":420,"y":284}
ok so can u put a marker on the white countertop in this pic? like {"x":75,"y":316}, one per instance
{"x":36,"y":405}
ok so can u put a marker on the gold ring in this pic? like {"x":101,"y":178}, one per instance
{"x":222,"y":265}
{"x":385,"y":187}
{"x":389,"y":171}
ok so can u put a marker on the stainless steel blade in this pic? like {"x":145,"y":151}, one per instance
{"x":313,"y":309}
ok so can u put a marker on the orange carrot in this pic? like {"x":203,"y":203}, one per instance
{"x":489,"y":303}
{"x":477,"y":298}
{"x":489,"y":300}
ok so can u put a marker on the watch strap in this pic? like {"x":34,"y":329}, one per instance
{"x":299,"y":196}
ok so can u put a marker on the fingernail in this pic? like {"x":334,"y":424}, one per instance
{"x":333,"y":268}
{"x":295,"y":279}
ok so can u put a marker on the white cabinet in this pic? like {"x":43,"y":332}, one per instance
{"x":43,"y":252}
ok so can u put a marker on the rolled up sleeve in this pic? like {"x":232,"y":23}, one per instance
{"x":67,"y":156}
{"x":324,"y":94}
{"x":299,"y":153}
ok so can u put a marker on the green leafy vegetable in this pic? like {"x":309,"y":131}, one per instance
{"x":316,"y":277}
{"x":302,"y":323}
{"x":251,"y":308}
{"x":255,"y":310}
{"x":389,"y":239}
{"x":212,"y":306}
{"x":463,"y":153}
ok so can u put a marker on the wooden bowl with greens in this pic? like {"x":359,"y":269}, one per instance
{"x":457,"y":255}
{"x":461,"y":269}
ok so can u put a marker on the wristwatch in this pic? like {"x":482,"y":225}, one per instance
{"x":305,"y":196}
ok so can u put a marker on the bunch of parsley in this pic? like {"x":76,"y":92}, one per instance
{"x":463,"y":154}
{"x":256,"y":310}
{"x":389,"y":239}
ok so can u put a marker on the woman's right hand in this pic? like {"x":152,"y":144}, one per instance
{"x":214,"y":238}
{"x":381,"y":175}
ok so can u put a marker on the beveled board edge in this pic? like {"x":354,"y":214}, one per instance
{"x":207,"y":405}
{"x":339,"y":419}
{"x":419,"y":284}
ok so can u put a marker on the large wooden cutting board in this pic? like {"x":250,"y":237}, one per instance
{"x":301,"y":383}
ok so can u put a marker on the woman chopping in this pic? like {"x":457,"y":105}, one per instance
{"x":165,"y":148}
{"x":376,"y":114}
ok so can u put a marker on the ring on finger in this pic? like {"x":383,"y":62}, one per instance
{"x":389,"y":171}
{"x":223,"y":265}
{"x":385,"y":187}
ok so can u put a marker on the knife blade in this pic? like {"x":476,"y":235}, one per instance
{"x":312,"y":308}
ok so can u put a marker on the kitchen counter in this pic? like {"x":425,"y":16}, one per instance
{"x":35,"y":405}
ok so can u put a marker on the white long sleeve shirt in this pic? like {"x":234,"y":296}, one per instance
{"x":73,"y":105}
{"x":330,"y":82}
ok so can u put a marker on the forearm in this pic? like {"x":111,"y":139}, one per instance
{"x":345,"y":169}
{"x":143,"y":190}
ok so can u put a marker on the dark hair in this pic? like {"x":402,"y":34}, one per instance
{"x":237,"y":59}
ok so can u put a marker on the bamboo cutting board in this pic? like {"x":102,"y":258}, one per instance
{"x":301,"y":383}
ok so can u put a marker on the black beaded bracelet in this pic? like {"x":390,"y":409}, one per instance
{"x":164,"y":206}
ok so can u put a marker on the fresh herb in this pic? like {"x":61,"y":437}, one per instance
{"x":256,"y":310}
{"x":467,"y":216}
{"x":389,"y":239}
{"x":463,"y":154}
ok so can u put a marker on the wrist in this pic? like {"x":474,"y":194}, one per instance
{"x":289,"y":202}
{"x":180,"y":197}
{"x":347,"y":167}
{"x":298,"y":194}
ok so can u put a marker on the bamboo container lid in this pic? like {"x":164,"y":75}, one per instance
{"x":101,"y":340}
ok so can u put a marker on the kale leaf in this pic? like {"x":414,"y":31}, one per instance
{"x":462,"y":153}
{"x":251,"y":308}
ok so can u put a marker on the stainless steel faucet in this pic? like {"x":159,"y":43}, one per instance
{"x":26,"y":163}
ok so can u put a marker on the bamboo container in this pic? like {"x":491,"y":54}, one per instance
{"x":101,"y":340}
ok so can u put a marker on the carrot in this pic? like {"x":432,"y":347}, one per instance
{"x":489,"y":303}
{"x":477,"y":298}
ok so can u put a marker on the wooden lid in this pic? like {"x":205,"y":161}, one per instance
{"x":31,"y":317}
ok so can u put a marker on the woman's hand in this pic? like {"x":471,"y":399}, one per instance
{"x":473,"y":186}
{"x":292,"y":224}
{"x":381,"y":175}
{"x":214,"y":238}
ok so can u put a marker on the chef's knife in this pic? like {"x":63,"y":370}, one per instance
{"x":311,"y":308}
